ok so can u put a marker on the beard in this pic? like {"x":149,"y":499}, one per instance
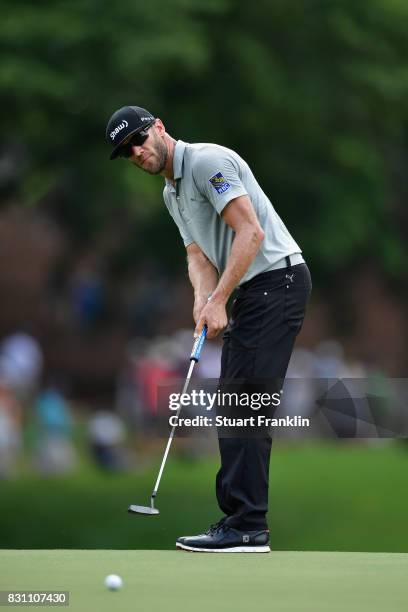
{"x":160,"y":154}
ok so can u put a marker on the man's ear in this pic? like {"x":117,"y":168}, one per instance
{"x":158,"y":124}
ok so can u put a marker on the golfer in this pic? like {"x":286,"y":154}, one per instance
{"x":235,"y":240}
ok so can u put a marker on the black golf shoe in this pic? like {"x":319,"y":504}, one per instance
{"x":222,"y":538}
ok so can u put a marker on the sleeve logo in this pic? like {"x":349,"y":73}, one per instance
{"x":219,"y":183}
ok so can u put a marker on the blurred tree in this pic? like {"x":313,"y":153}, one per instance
{"x":65,"y":67}
{"x":310,"y":92}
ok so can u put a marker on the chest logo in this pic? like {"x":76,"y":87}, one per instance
{"x":220,"y":184}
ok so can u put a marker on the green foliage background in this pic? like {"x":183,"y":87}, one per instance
{"x":311,"y":92}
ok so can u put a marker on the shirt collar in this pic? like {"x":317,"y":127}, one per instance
{"x":178,"y":157}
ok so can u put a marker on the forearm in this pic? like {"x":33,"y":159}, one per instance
{"x":243,"y":251}
{"x":203,"y":275}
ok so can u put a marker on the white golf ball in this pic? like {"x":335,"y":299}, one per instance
{"x":113,"y":582}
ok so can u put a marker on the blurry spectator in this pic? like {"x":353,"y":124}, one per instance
{"x":329,"y":360}
{"x":149,"y":366}
{"x":10,"y":430}
{"x":107,"y":434}
{"x":21,"y":363}
{"x":55,"y":453}
{"x":155,"y":369}
{"x":87,"y":293}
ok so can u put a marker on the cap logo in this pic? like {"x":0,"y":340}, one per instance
{"x":146,"y":118}
{"x":117,"y":129}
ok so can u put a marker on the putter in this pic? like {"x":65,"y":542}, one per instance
{"x":194,"y":358}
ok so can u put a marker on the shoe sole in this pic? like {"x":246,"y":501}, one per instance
{"x":234,"y":549}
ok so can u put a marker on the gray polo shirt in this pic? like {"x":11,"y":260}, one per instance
{"x":207,"y":177}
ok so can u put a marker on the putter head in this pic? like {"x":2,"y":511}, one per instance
{"x":143,"y":510}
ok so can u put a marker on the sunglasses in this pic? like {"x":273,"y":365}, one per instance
{"x":135,"y":141}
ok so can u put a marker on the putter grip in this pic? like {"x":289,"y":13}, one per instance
{"x":198,"y":345}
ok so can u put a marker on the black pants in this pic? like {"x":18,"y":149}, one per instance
{"x":266,"y":317}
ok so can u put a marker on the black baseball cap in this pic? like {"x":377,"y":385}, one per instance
{"x":125,"y":122}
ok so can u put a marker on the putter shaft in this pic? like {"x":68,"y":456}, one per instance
{"x":194,"y":358}
{"x":170,"y":440}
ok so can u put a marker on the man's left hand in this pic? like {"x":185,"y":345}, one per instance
{"x":213,"y":315}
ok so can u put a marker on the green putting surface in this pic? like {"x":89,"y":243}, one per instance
{"x":167,"y":581}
